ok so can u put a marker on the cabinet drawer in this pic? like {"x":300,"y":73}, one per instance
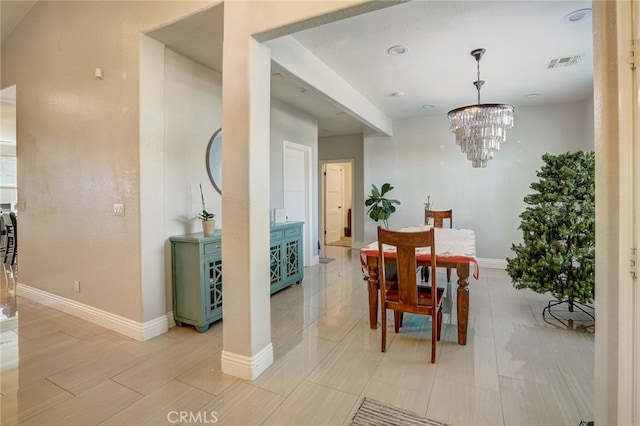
{"x":212,"y":247}
{"x":276,"y":235}
{"x":292,"y":232}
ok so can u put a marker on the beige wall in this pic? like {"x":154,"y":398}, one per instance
{"x":78,"y":146}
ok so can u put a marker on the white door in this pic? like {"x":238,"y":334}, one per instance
{"x":297,"y":191}
{"x":333,"y":182}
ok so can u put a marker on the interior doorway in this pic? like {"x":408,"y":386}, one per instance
{"x":337,"y":202}
{"x":297,"y":191}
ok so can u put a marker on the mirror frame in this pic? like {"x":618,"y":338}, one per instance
{"x":214,"y":160}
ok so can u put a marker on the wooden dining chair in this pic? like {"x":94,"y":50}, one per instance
{"x":438,"y":216}
{"x":401,"y":293}
{"x":11,"y":246}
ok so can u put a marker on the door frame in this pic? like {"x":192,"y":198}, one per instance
{"x":321,"y":189}
{"x":324,"y":198}
{"x":309,"y":259}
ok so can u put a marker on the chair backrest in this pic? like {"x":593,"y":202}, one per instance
{"x":438,"y":216}
{"x":8,"y":225}
{"x":14,"y":222}
{"x":405,"y":244}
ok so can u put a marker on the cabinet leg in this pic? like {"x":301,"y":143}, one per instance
{"x":203,"y":328}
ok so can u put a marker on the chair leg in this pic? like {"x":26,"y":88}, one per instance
{"x":397,"y":321}
{"x":384,"y":329}
{"x":434,"y":336}
{"x":439,"y":323}
{"x":448,"y":275}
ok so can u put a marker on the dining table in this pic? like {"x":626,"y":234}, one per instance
{"x":455,"y":248}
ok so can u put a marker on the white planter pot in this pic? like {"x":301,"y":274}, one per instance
{"x":208,"y":227}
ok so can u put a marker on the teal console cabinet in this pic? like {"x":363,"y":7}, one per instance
{"x":196,"y":267}
{"x":197,"y":279}
{"x":286,"y":258}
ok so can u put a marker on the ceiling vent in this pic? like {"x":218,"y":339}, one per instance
{"x":565,"y":61}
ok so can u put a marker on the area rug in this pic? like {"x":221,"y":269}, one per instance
{"x":342,"y":242}
{"x":376,"y":413}
{"x":326,"y":260}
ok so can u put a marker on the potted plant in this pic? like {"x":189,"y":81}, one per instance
{"x":428,"y":206}
{"x":207,"y":218}
{"x":381,"y":208}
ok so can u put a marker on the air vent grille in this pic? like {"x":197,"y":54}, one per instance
{"x":565,"y":61}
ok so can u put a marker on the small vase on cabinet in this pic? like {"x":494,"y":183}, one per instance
{"x":208,"y":227}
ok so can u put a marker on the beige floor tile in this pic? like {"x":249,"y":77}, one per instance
{"x":293,"y":361}
{"x":474,"y":364}
{"x":166,"y":405}
{"x":88,"y":408}
{"x":349,"y":367}
{"x":32,"y":348}
{"x":530,"y":403}
{"x":313,"y":404}
{"x":52,"y":362}
{"x":168,"y":364}
{"x":459,"y":404}
{"x":29,"y":400}
{"x":242,"y":404}
{"x":335,"y":323}
{"x":89,"y":373}
{"x":208,"y":376}
{"x":407,"y":361}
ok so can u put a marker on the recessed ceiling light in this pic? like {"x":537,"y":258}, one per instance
{"x":577,"y":16}
{"x":397,"y":94}
{"x":397,"y":50}
{"x":428,"y":106}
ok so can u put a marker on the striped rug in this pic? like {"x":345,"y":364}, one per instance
{"x":376,"y":413}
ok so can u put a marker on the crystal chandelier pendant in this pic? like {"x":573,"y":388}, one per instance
{"x":480,"y":128}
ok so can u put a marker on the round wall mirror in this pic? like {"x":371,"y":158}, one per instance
{"x":214,"y":160}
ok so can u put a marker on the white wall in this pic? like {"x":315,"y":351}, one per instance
{"x":422,"y":159}
{"x":193,"y":112}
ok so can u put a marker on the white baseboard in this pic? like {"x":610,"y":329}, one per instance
{"x":245,"y":367}
{"x":135,"y":330}
{"x":315,"y":260}
{"x":492,"y":263}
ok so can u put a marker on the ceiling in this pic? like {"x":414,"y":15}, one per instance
{"x":521,"y":38}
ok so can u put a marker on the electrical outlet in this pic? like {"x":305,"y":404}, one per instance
{"x":77,"y":286}
{"x":118,"y":209}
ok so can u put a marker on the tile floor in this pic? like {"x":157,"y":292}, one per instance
{"x":516,"y":369}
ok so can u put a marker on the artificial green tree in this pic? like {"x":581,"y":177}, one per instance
{"x":558,"y":228}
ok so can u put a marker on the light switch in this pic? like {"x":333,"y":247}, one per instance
{"x":118,"y":209}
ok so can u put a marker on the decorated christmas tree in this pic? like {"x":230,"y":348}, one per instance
{"x":558,"y":229}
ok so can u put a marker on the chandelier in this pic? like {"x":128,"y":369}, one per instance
{"x":480,"y":128}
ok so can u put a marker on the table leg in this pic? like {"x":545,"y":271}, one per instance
{"x":463,"y":301}
{"x":372,"y":265}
